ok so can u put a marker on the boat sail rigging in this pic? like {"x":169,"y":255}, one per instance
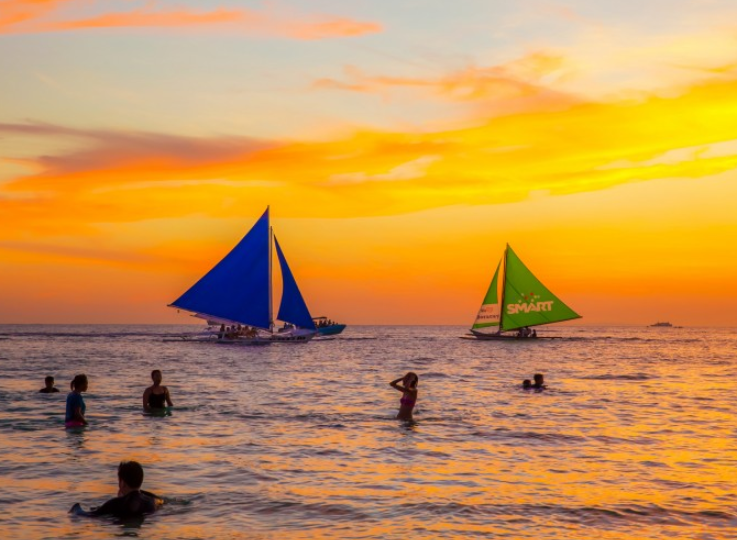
{"x":516,"y":299}
{"x":238,"y":289}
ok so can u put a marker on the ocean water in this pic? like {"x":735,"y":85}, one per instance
{"x":635,"y":438}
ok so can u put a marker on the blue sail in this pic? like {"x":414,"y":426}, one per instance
{"x":292,"y":308}
{"x":237,"y":288}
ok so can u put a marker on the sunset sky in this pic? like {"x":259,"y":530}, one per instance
{"x":400,"y":146}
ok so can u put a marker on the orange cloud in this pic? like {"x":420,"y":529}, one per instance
{"x":17,"y":12}
{"x":123,"y":177}
{"x":145,"y":17}
{"x":337,"y":27}
{"x":38,"y":16}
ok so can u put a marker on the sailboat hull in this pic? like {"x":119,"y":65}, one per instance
{"x":332,"y":330}
{"x":502,"y":337}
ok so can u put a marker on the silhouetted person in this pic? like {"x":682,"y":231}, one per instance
{"x":527,"y":384}
{"x":539,"y":382}
{"x":49,"y":388}
{"x":75,"y":403}
{"x":156,"y":396}
{"x":409,"y":394}
{"x":131,"y":501}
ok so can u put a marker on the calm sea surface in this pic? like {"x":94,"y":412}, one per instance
{"x":635,"y":438}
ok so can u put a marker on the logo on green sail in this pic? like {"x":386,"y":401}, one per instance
{"x":529,"y":303}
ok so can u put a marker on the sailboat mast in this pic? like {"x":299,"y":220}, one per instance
{"x":504,"y":288}
{"x":271,"y":291}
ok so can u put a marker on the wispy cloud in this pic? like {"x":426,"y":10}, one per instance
{"x":406,"y":171}
{"x":39,"y":16}
{"x":525,"y":76}
{"x":106,"y":149}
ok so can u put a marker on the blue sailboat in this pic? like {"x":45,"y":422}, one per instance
{"x":237,"y":294}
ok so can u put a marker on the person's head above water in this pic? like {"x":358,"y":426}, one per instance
{"x":411,"y":380}
{"x":156,"y":376}
{"x":539,"y":381}
{"x":79,"y":383}
{"x":49,"y":381}
{"x":527,"y":383}
{"x":130,"y":473}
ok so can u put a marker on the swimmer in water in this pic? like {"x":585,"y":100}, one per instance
{"x":75,"y":403}
{"x":527,"y":384}
{"x":49,"y":388}
{"x":131,"y":501}
{"x":409,"y":394}
{"x":156,"y":396}
{"x":539,"y":382}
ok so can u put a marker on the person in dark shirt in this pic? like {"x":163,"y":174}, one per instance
{"x":49,"y":388}
{"x":131,"y":501}
{"x":539,"y":383}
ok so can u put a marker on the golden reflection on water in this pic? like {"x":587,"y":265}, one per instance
{"x":619,"y":448}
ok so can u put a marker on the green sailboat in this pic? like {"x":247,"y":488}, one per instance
{"x":517,"y":300}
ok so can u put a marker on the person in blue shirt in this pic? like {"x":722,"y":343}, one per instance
{"x":75,"y":403}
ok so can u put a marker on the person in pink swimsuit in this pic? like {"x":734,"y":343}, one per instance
{"x":409,"y":394}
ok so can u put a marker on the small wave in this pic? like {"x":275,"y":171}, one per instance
{"x":502,"y":433}
{"x":422,"y":360}
{"x":612,"y":515}
{"x":435,"y":375}
{"x":619,"y":377}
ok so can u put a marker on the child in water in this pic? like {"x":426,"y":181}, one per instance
{"x":409,"y":394}
{"x":75,"y":403}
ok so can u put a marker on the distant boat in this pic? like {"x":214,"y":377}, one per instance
{"x":326,"y":327}
{"x":662,"y":325}
{"x":237,"y":293}
{"x":525,"y":302}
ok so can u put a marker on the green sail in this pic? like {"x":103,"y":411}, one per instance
{"x":527,"y":302}
{"x":489,"y":312}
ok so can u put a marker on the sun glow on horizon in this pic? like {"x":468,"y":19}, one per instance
{"x":612,"y":173}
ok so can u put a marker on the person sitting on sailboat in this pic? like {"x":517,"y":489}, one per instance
{"x":248,"y":332}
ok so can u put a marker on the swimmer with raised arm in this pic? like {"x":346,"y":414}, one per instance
{"x":156,"y":396}
{"x":409,"y":394}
